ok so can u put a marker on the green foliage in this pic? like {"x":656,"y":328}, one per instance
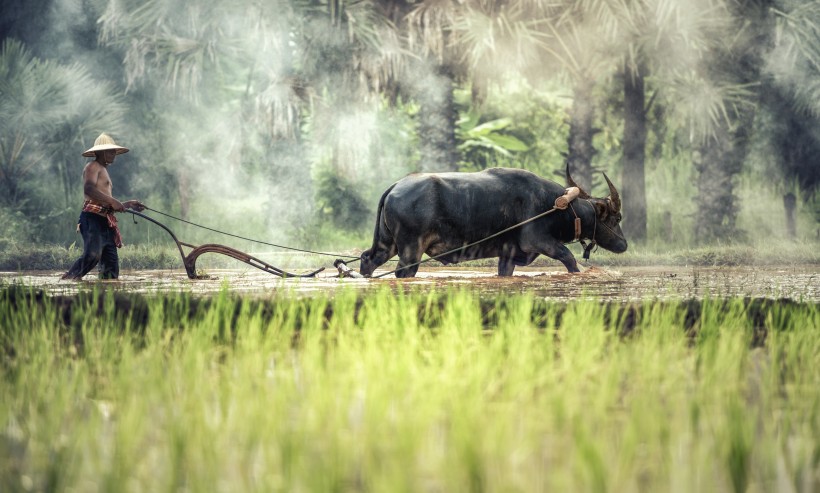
{"x":339,"y":202}
{"x":234,"y":108}
{"x":14,"y":228}
{"x":480,"y":143}
{"x":796,"y":61}
{"x":517,"y":126}
{"x":813,"y":205}
{"x":48,"y":113}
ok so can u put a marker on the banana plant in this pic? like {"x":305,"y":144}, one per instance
{"x":482,"y":144}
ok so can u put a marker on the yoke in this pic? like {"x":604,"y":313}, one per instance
{"x":189,"y":261}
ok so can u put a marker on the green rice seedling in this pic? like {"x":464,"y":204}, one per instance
{"x":406,"y":390}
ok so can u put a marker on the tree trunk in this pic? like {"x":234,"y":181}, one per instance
{"x":790,"y":205}
{"x":721,"y":157}
{"x":581,"y":132}
{"x":716,"y":203}
{"x":437,"y":122}
{"x":633,"y":184}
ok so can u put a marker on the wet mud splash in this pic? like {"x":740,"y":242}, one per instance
{"x":623,"y":284}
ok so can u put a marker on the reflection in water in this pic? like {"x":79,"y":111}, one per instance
{"x":610,"y":284}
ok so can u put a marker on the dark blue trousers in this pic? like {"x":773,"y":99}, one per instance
{"x":98,"y":248}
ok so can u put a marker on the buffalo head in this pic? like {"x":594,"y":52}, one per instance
{"x":368,"y":265}
{"x":607,"y":230}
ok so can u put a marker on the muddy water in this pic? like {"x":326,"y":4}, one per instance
{"x":798,"y":282}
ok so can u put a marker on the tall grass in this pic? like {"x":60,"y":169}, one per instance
{"x":407,"y":391}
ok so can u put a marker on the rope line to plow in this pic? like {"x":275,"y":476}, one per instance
{"x":251,"y":239}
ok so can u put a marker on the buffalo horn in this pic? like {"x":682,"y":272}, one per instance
{"x":583,"y":194}
{"x":613,"y":195}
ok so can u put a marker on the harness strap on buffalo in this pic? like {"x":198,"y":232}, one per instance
{"x":587,"y":247}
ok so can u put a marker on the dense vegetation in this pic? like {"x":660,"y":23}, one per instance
{"x":412,"y":391}
{"x":286,"y":119}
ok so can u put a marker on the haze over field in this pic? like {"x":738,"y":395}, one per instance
{"x":689,"y":362}
{"x":287,"y":119}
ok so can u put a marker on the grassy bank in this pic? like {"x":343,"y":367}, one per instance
{"x":406,"y":392}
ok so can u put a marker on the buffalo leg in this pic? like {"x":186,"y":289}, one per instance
{"x":562,"y":254}
{"x":566,"y":257}
{"x":409,"y":257}
{"x":406,"y":269}
{"x":506,"y":266}
{"x":511,"y":256}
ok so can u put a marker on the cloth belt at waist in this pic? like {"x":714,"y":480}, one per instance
{"x":89,"y":206}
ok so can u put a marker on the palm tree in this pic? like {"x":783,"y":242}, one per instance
{"x":282,"y":72}
{"x":178,"y":54}
{"x":653,"y":41}
{"x":729,"y":94}
{"x":578,"y":49}
{"x":707,"y":76}
{"x":792,"y":93}
{"x":28,"y":106}
{"x":473,"y":42}
{"x":537,"y":39}
{"x":48,"y":113}
{"x":429,"y":33}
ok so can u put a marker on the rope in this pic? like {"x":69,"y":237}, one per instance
{"x":251,"y":239}
{"x":471,"y":244}
{"x":354,"y":259}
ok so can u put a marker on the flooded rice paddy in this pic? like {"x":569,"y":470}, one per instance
{"x":797,"y":282}
{"x":157,"y":391}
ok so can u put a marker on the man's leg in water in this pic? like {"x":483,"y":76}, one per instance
{"x":93,"y":236}
{"x":110,"y":260}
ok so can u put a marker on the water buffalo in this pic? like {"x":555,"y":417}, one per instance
{"x":435,"y":213}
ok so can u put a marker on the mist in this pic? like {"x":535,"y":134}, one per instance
{"x":236,"y":113}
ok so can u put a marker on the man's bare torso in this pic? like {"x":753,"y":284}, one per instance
{"x":97,"y":179}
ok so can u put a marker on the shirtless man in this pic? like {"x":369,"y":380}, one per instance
{"x":97,"y":224}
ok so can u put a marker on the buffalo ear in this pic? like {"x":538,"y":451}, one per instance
{"x":601,"y":209}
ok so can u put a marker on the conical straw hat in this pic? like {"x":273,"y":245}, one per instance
{"x":103,"y":143}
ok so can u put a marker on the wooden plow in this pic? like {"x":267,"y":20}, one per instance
{"x":189,"y":261}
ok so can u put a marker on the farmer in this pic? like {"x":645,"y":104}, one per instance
{"x":97,"y":224}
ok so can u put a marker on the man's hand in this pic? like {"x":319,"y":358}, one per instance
{"x":134,"y":204}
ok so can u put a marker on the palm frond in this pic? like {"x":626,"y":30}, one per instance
{"x":795,"y":60}
{"x":28,"y":88}
{"x":430,"y":25}
{"x":707,"y":105}
{"x":174,"y":40}
{"x":47,"y":110}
